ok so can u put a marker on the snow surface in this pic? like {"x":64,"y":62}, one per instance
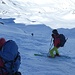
{"x":40,"y":43}
{"x":53,"y":13}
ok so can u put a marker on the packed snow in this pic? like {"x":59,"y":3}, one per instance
{"x":20,"y":18}
{"x":40,"y":43}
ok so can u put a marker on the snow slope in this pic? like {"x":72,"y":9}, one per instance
{"x":53,"y":13}
{"x":40,"y":43}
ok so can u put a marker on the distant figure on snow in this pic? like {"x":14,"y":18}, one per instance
{"x":32,"y":34}
{"x":1,"y":23}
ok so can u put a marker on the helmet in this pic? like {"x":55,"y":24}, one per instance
{"x":2,"y":41}
{"x":55,"y":31}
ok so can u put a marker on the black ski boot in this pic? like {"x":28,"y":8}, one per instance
{"x":57,"y":54}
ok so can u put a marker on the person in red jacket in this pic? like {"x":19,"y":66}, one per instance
{"x":56,"y":42}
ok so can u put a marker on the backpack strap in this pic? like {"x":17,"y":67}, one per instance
{"x":16,"y":56}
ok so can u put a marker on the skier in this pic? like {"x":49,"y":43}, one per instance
{"x":59,"y":40}
{"x":56,"y":42}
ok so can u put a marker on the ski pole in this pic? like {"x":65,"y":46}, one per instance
{"x":51,"y":44}
{"x":49,"y":50}
{"x":66,"y":39}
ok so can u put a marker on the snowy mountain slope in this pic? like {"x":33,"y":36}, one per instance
{"x":55,"y":14}
{"x":31,"y":13}
{"x":19,"y":10}
{"x":44,"y":30}
{"x":41,"y":65}
{"x":28,"y":45}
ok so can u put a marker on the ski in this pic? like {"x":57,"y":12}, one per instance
{"x":41,"y":54}
{"x":38,"y":54}
{"x":45,"y":55}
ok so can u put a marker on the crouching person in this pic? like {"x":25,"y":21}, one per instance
{"x":10,"y":59}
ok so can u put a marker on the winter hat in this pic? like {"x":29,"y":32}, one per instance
{"x":55,"y":31}
{"x":2,"y":41}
